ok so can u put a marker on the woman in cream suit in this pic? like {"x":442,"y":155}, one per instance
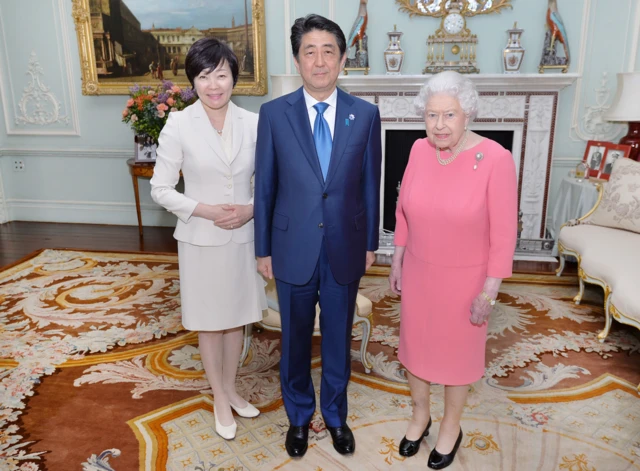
{"x":213,"y":143}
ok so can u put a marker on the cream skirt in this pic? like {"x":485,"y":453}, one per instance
{"x":220,"y":287}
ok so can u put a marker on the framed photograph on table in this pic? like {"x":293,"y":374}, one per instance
{"x":613,"y":153}
{"x":145,"y":150}
{"x":594,"y":156}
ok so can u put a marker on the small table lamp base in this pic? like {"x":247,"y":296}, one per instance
{"x":633,"y":139}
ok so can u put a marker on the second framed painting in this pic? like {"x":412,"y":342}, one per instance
{"x":127,"y":42}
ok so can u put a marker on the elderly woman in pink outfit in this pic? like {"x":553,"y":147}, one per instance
{"x":456,"y":229}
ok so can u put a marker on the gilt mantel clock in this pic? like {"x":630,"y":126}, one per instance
{"x":452,"y":46}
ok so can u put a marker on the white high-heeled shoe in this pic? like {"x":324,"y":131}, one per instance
{"x":248,"y":412}
{"x":228,"y":432}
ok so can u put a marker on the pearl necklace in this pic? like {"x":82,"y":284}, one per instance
{"x":455,"y":152}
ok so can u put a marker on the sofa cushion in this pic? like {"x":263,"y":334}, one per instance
{"x":607,"y":254}
{"x":620,"y":205}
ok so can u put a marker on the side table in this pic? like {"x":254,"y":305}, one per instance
{"x":144,"y":170}
{"x":575,"y":199}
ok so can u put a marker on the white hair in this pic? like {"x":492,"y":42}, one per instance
{"x":451,"y":83}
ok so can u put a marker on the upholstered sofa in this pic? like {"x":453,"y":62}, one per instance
{"x":363,"y":315}
{"x":606,"y":243}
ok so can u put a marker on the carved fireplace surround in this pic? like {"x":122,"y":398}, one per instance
{"x":525,"y":104}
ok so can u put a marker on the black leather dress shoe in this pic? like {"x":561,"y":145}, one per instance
{"x":411,"y":447}
{"x":343,"y":439}
{"x":297,"y":440}
{"x":440,"y":461}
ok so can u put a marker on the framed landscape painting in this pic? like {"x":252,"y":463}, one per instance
{"x":127,"y":42}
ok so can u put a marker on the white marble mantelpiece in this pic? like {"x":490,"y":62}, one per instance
{"x":281,"y":84}
{"x":523,"y":103}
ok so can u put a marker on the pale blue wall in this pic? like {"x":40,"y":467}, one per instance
{"x":83,"y":178}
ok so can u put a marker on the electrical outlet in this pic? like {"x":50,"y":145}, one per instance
{"x":18,"y":165}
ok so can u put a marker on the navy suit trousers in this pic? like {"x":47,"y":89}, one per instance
{"x":298,"y":312}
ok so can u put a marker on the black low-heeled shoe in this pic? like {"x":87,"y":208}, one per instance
{"x":440,"y":461}
{"x":411,"y":447}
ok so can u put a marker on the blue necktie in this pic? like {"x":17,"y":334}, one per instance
{"x":322,"y":138}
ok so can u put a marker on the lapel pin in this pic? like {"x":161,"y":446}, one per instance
{"x":351,"y":117}
{"x":346,"y":122}
{"x":479,"y":157}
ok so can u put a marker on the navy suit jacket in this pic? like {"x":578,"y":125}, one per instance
{"x":294,"y":208}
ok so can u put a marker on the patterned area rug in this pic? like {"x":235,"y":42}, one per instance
{"x":97,"y":373}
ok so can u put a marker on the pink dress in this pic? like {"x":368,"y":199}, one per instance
{"x":459,"y":225}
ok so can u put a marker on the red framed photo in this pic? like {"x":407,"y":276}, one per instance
{"x":594,"y":156}
{"x":613,"y":153}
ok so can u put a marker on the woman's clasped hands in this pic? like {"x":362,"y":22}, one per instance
{"x":226,"y":216}
{"x":233,"y":216}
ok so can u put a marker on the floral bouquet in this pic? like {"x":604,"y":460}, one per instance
{"x":148,"y":108}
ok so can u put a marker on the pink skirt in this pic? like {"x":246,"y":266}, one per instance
{"x":438,"y":342}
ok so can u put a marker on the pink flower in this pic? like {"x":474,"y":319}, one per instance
{"x":125,"y":113}
{"x":176,"y":89}
{"x":540,"y":417}
{"x":170,"y":101}
{"x":161,"y":114}
{"x":174,"y":109}
{"x":134,"y":118}
{"x":130,"y":102}
{"x":162,"y":107}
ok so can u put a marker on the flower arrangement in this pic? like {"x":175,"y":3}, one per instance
{"x":148,"y":107}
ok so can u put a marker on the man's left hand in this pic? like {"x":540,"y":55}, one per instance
{"x":371,"y":257}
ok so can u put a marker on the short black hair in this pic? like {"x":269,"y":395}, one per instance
{"x":313,"y":22}
{"x":207,"y":54}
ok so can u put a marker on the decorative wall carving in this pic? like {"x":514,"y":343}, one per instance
{"x":41,"y":101}
{"x":593,"y":122}
{"x":501,"y":107}
{"x":538,"y":145}
{"x":586,"y":121}
{"x":38,"y":104}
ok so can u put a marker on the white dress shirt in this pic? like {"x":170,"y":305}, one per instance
{"x":330,"y":112}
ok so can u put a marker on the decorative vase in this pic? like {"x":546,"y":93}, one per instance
{"x":394,"y":55}
{"x":145,"y":149}
{"x":513,"y":54}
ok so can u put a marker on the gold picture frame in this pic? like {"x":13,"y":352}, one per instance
{"x":118,"y":67}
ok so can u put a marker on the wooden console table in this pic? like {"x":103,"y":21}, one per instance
{"x":144,"y":170}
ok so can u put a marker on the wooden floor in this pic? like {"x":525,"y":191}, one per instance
{"x":19,"y":239}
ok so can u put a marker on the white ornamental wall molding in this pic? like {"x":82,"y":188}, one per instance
{"x":594,"y":125}
{"x":38,"y":105}
{"x":4,"y":215}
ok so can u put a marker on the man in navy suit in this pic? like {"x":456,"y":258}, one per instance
{"x":317,"y":211}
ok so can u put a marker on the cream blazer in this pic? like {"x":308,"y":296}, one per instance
{"x":189,"y":143}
